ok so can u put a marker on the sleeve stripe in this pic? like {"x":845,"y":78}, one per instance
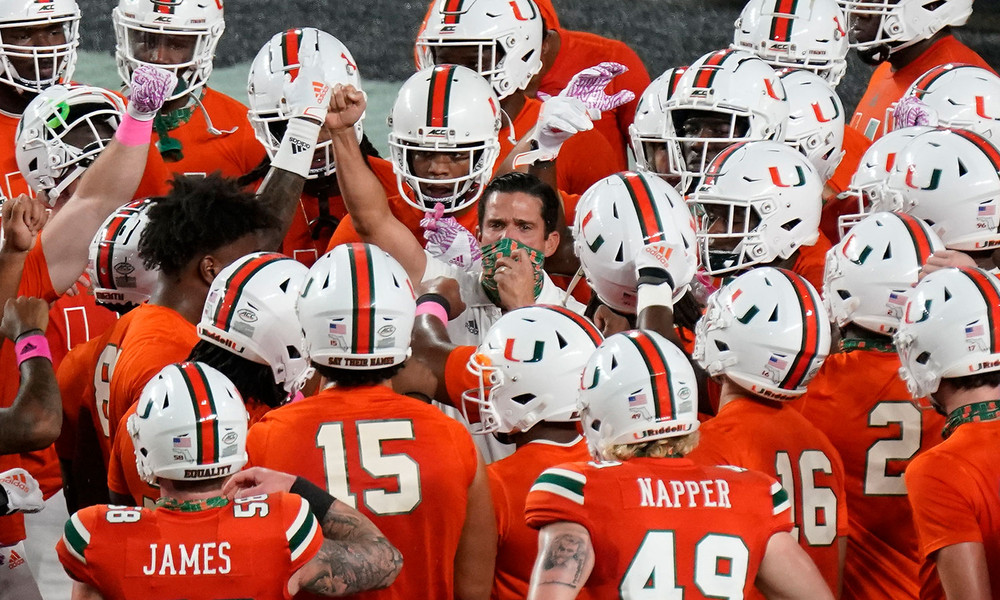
{"x":779,"y":497}
{"x":299,"y":520}
{"x":558,"y":490}
{"x":301,"y":544}
{"x":76,"y":537}
{"x":578,"y":477}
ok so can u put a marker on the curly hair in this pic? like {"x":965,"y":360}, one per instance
{"x":198,"y":216}
{"x":253,"y":380}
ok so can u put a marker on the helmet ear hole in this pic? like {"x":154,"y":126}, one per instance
{"x":721,"y":346}
{"x":523,"y":398}
{"x":293,"y":352}
{"x":844,"y":294}
{"x":923,"y":357}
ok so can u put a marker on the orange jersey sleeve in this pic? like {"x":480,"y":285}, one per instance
{"x":401,"y":462}
{"x":73,"y":377}
{"x":779,"y":441}
{"x":457,"y":378}
{"x":674,"y":523}
{"x":886,"y":86}
{"x":810,"y":261}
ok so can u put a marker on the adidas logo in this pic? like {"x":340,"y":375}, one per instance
{"x":17,"y":480}
{"x":29,"y":347}
{"x":15,"y":560}
{"x":299,"y":146}
{"x":320,"y":90}
{"x":660,"y":253}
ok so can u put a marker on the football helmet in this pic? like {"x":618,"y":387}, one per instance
{"x":619,"y":215}
{"x":815,"y":120}
{"x":526,"y":366}
{"x":277,"y":61}
{"x":949,"y":329}
{"x":637,"y":387}
{"x":507,"y":36}
{"x":767,"y":331}
{"x":189,"y":424}
{"x":61,"y":132}
{"x":140,"y":23}
{"x":357,"y":308}
{"x":250,"y":311}
{"x":758,"y":202}
{"x":797,"y":35}
{"x":902,"y":23}
{"x":741,"y":90}
{"x":949,"y":179}
{"x":870,"y":271}
{"x":649,"y":129}
{"x":867,"y":185}
{"x":961,"y":97}
{"x":114,"y":267}
{"x":30,"y":68}
{"x":445,"y":109}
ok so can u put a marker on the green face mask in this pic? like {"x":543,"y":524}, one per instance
{"x":507,"y":247}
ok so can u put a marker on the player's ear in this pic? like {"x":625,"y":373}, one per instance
{"x":208,"y":268}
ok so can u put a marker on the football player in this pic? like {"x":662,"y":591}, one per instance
{"x":644,"y":519}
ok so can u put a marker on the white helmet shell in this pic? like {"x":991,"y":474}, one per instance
{"x":114,"y":267}
{"x":50,"y":65}
{"x":815,"y":120}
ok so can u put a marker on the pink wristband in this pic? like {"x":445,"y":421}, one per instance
{"x":32,"y":346}
{"x":133,"y":132}
{"x":432,"y":308}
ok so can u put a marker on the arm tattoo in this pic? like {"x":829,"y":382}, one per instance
{"x":565,"y":560}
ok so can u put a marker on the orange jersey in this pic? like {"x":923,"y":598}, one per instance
{"x":861,"y":404}
{"x":777,"y":440}
{"x":72,"y":376}
{"x":887,"y":85}
{"x":401,"y":462}
{"x":953,"y":491}
{"x":11,"y":182}
{"x":855,"y":146}
{"x":74,"y":320}
{"x":646,"y":516}
{"x":810,"y":261}
{"x":157,"y":336}
{"x":249,"y":548}
{"x":510,"y":480}
{"x":235,"y":152}
{"x":580,"y":50}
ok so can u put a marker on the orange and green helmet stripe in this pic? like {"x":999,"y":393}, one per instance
{"x":809,"y":307}
{"x":226,"y":308}
{"x":708,"y":69}
{"x":781,"y":24}
{"x":650,"y":223}
{"x":363,"y":313}
{"x":987,"y":286}
{"x":439,"y":95}
{"x":659,"y":379}
{"x":207,"y":423}
{"x":592,"y":332}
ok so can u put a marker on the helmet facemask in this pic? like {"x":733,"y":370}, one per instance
{"x":456,"y":192}
{"x":49,"y":65}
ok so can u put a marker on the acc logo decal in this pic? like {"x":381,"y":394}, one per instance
{"x":247,"y":315}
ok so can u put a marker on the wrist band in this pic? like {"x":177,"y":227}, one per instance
{"x":133,"y":132}
{"x":437,"y":298}
{"x":32,"y":346}
{"x":24,"y":334}
{"x":654,"y":295}
{"x":295,"y":154}
{"x":434,"y":309}
{"x":319,"y":501}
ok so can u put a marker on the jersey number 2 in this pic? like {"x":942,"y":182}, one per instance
{"x":370,"y":435}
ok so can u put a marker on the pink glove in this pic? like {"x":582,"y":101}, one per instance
{"x":149,"y":89}
{"x":588,"y":86}
{"x":911,"y":111}
{"x":449,"y":241}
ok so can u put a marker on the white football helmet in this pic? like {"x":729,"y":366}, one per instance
{"x":30,"y":68}
{"x":357,"y":309}
{"x":507,"y":35}
{"x":61,"y":132}
{"x":949,"y":329}
{"x":815,"y":120}
{"x":649,"y":129}
{"x":870,"y":271}
{"x":527,"y":365}
{"x":799,"y":35}
{"x":758,"y":202}
{"x":739,"y":88}
{"x":115,"y":269}
{"x":637,"y":387}
{"x":250,"y":311}
{"x":867,"y":185}
{"x":767,"y":331}
{"x":139,"y":25}
{"x":278,"y":61}
{"x":961,"y":97}
{"x":190,"y":424}
{"x":949,"y":179}
{"x":903,"y":23}
{"x":444,"y":109}
{"x":619,"y":215}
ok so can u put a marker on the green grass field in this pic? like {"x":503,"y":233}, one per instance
{"x":99,"y":69}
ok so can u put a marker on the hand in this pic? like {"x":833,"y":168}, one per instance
{"x":307,"y":94}
{"x":23,"y":218}
{"x":515,"y":279}
{"x":561,"y":118}
{"x":447,"y":288}
{"x":23,"y":314}
{"x":22,"y":491}
{"x":148,"y":91}
{"x":687,"y":311}
{"x":449,"y":241}
{"x":82,"y":286}
{"x":911,"y":111}
{"x":589,"y":84}
{"x":347,"y":104}
{"x":942,"y":259}
{"x":257,"y":481}
{"x":667,"y":262}
{"x":610,"y":322}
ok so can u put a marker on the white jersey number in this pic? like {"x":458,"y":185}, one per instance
{"x":652,"y":575}
{"x":819,"y":504}
{"x":877,"y":480}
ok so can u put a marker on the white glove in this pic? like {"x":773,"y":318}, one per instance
{"x":149,"y":89}
{"x":449,"y":241}
{"x":307,"y":94}
{"x":663,"y":270}
{"x":561,"y":118}
{"x":22,"y":492}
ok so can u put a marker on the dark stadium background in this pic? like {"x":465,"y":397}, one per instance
{"x":380,"y":33}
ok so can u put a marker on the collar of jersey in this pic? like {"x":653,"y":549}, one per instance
{"x":192,"y":505}
{"x":852,"y":344}
{"x":971,"y":413}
